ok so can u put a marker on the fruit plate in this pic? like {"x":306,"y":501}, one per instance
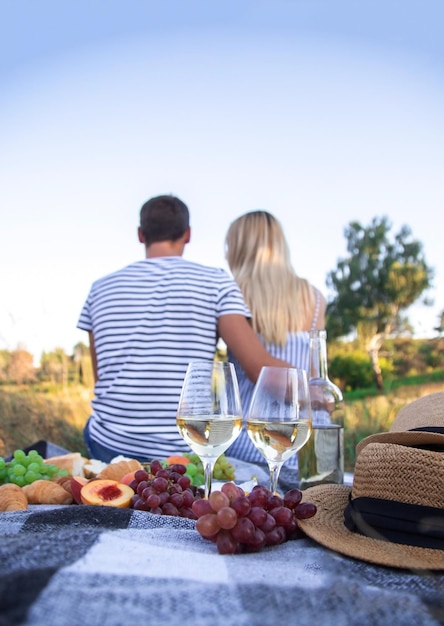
{"x":244,"y":472}
{"x":246,"y":486}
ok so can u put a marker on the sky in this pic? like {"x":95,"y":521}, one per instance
{"x":322,"y":112}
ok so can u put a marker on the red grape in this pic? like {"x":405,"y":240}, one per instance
{"x":304,"y":510}
{"x":178,"y":468}
{"x":188,"y":498}
{"x":160,"y":484}
{"x":207,"y":525}
{"x":273,"y":502}
{"x":275,"y":536}
{"x":141,"y":475}
{"x":226,"y":544}
{"x":184,"y":482}
{"x":258,"y":515}
{"x":268,"y":522}
{"x":155,"y":466}
{"x":231,"y":490}
{"x":244,"y":530}
{"x":258,"y":496}
{"x":201,"y":507}
{"x":153,"y":501}
{"x":282,"y":515}
{"x":292,"y":498}
{"x":226,"y":517}
{"x":241,"y":505}
{"x":217,"y":500}
{"x":169,"y":509}
{"x":177,"y":500}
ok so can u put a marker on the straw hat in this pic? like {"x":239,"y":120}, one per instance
{"x":394,"y":513}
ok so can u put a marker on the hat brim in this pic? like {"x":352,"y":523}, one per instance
{"x":404,"y":438}
{"x":327,"y":528}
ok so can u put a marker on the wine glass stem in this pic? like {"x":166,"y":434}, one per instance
{"x":208,"y":465}
{"x":275,"y":469}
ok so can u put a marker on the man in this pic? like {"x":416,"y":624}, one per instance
{"x":146,"y":322}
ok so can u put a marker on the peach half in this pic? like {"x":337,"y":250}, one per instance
{"x":106,"y":492}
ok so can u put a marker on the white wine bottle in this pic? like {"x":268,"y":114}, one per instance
{"x":321,"y":460}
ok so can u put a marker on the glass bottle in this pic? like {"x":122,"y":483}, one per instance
{"x":321,"y":460}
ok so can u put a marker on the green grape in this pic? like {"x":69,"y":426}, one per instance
{"x":30,"y":477}
{"x":19,"y":470}
{"x":35,"y":456}
{"x":19,"y":456}
{"x":24,"y":469}
{"x":34,"y":467}
{"x":198,"y":479}
{"x":191,"y":469}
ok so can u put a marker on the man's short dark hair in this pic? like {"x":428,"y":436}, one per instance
{"x":163,"y":218}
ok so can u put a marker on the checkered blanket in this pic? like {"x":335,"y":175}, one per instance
{"x":101,"y":566}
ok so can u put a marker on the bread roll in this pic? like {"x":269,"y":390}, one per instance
{"x":73,"y":462}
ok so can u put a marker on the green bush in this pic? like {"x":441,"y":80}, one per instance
{"x":351,"y":370}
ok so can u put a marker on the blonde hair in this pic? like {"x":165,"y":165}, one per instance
{"x":259,"y":258}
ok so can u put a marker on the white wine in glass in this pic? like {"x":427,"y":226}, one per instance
{"x":279,"y":417}
{"x":209,"y":415}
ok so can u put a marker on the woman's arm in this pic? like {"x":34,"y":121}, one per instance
{"x":243,"y":342}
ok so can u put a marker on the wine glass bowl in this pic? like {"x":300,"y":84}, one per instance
{"x":279,"y":416}
{"x":209,"y":414}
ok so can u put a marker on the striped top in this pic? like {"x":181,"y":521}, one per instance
{"x":149,"y":320}
{"x":296,"y":352}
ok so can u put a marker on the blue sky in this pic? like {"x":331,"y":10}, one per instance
{"x":319,"y":111}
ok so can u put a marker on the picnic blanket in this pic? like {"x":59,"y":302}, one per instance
{"x":101,"y":566}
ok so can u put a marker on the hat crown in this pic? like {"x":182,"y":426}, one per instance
{"x":421,"y":413}
{"x":398,"y":473}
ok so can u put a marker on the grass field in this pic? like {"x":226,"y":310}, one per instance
{"x":29,"y":414}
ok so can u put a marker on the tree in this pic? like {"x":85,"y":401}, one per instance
{"x":440,"y":328}
{"x":380,"y":278}
{"x":54,"y":366}
{"x":21,"y":367}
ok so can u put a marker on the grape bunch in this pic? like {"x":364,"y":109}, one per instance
{"x":164,"y":490}
{"x":223,"y":469}
{"x":23,"y":469}
{"x":238,"y":523}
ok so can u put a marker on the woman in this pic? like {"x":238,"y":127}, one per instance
{"x":284,"y":307}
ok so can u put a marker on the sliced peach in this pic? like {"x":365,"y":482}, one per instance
{"x":127,"y":479}
{"x":106,"y":492}
{"x":77,"y":482}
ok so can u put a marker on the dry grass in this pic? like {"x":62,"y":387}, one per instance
{"x":28,"y":415}
{"x":376,"y":414}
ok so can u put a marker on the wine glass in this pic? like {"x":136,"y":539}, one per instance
{"x":279,"y":417}
{"x":209,"y":415}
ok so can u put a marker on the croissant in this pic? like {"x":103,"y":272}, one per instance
{"x":116,"y":471}
{"x":47,"y":492}
{"x":12,"y":498}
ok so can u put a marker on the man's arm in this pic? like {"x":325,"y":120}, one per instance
{"x":92,"y":350}
{"x":241,"y":339}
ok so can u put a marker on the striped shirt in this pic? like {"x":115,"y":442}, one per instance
{"x":149,"y":320}
{"x":296,"y":352}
